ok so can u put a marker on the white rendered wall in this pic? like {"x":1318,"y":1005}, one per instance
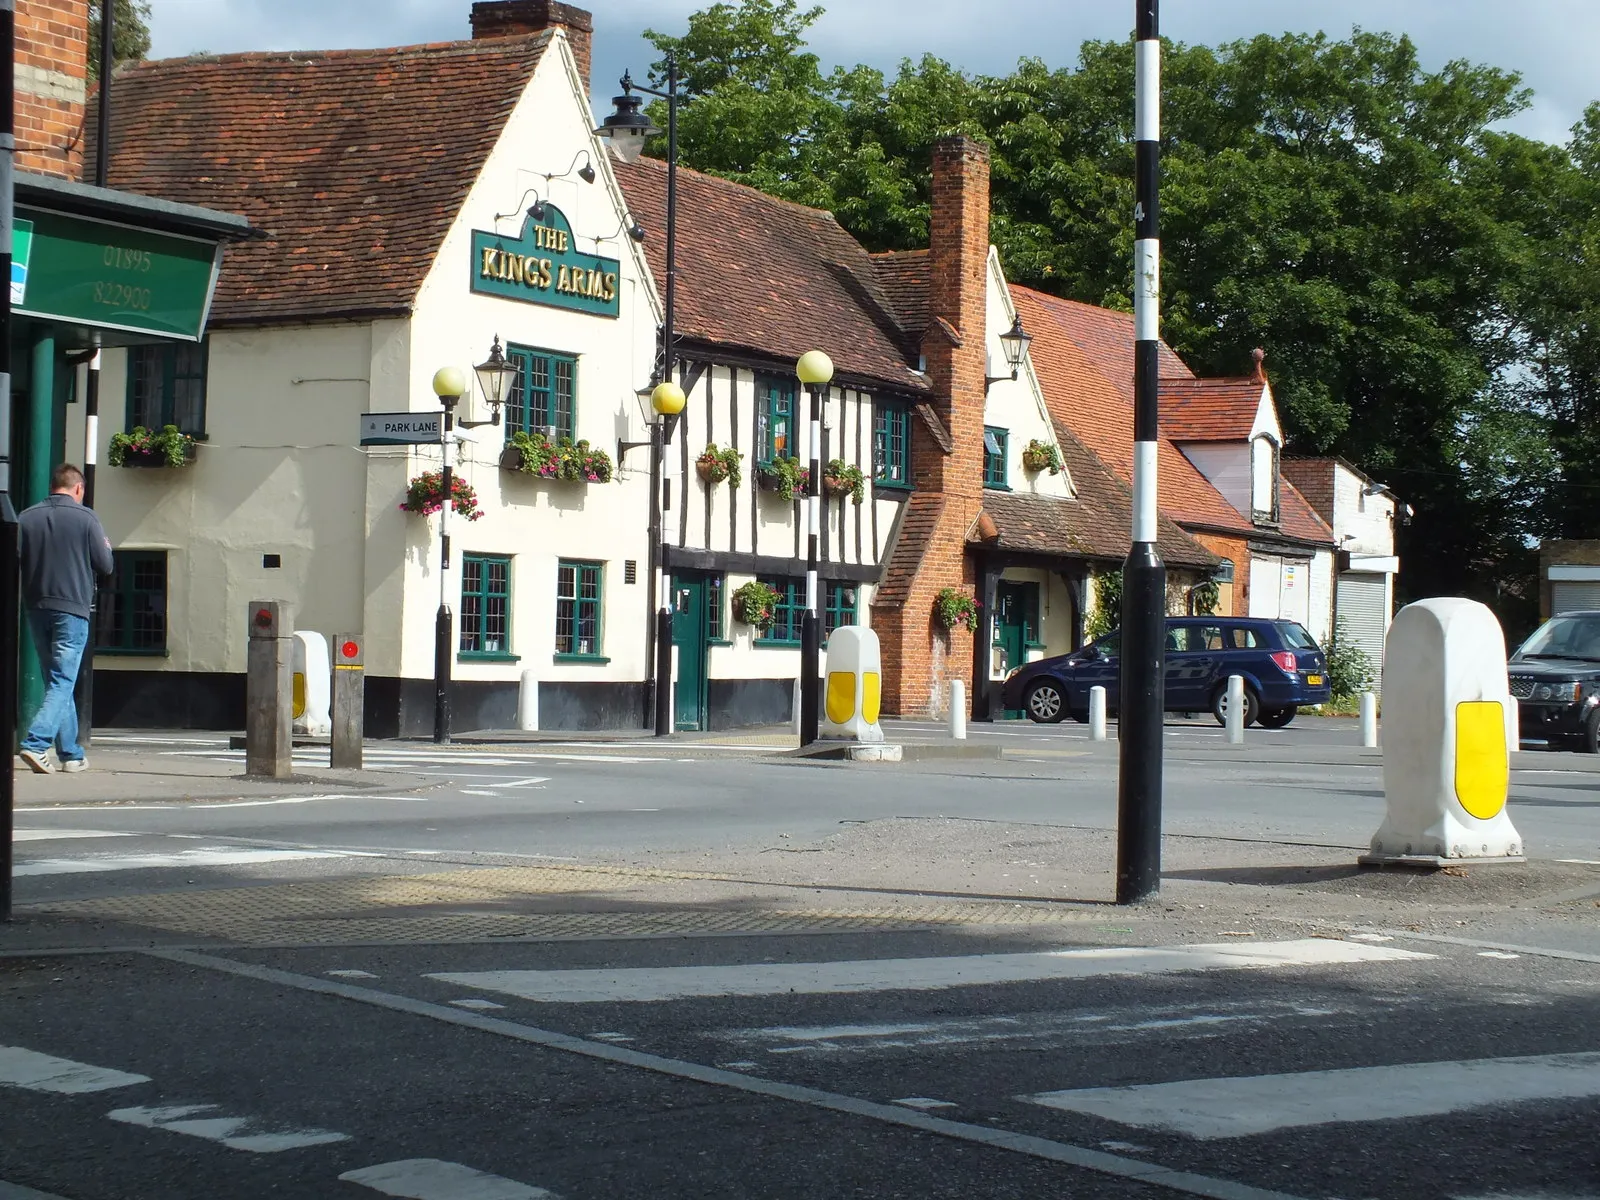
{"x":1017,"y":406}
{"x":1227,"y":466}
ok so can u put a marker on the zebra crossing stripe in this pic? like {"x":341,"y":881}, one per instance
{"x":43,"y":1073}
{"x":237,"y":1133}
{"x":435,"y":1179}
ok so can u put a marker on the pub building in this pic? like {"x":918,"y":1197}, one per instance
{"x":91,"y":266}
{"x":424,"y":204}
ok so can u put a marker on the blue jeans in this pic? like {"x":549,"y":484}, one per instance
{"x":59,"y":638}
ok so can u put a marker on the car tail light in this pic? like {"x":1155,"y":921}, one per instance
{"x":1286,"y":661}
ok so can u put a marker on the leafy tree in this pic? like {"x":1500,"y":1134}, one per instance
{"x":130,"y":33}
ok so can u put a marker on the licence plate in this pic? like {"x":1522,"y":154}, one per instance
{"x":1314,"y":680}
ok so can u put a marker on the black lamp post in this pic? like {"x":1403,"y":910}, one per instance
{"x":450,"y":384}
{"x":815,"y":370}
{"x":628,"y":129}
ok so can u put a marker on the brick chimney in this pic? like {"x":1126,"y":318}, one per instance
{"x":510,"y":18}
{"x":958,"y":256}
{"x":52,"y":65}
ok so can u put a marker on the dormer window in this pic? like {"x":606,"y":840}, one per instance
{"x":1264,"y":487}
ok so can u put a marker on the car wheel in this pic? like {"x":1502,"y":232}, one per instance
{"x":1219,"y":705}
{"x":1591,"y":733}
{"x":1044,"y":702}
{"x":1277,"y":718}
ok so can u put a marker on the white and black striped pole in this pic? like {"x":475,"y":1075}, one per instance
{"x":815,"y":370}
{"x":1144,"y":589}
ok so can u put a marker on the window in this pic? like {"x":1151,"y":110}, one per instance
{"x":1264,"y":480}
{"x":791,"y":607}
{"x":1194,"y":639}
{"x":714,"y":609}
{"x":1242,"y":639}
{"x":167,"y":386}
{"x":891,"y":445}
{"x":774,"y":418}
{"x":485,"y":606}
{"x":131,"y":616}
{"x":840,"y":608}
{"x":994,"y":456}
{"x":543,"y":393}
{"x":578,"y":602}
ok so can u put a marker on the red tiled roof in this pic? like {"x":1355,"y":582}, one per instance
{"x":770,"y":277}
{"x":1083,"y":357}
{"x":355,"y":162}
{"x":903,"y":275}
{"x":1209,"y":410}
{"x":1296,"y":517}
{"x":914,"y":534}
{"x":1313,"y":479}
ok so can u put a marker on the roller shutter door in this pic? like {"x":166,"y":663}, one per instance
{"x":1364,"y":614}
{"x":1569,"y":596}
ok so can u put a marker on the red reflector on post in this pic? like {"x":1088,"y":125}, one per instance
{"x":349,"y":649}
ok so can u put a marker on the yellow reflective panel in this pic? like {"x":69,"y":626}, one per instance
{"x":841,"y":704}
{"x":1483,"y":769}
{"x":299,"y":695}
{"x":871,"y":696}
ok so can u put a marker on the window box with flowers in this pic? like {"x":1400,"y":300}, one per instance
{"x":840,"y":478}
{"x":955,"y":608}
{"x":715,"y":465}
{"x":543,"y":457}
{"x":755,"y":604}
{"x":425,"y":495}
{"x":1041,"y":456}
{"x":785,"y":476}
{"x":140,"y":447}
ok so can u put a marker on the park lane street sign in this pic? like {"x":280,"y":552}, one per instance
{"x":401,"y":429}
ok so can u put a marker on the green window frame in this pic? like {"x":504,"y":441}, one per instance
{"x":840,"y":608}
{"x":167,"y":386}
{"x":544,"y":393}
{"x":995,"y":441}
{"x":775,"y":418}
{"x":787,"y":613}
{"x":580,"y":604}
{"x":131,"y":607}
{"x":891,"y":445}
{"x":486,"y":607}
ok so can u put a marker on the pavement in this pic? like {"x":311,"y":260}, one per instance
{"x":694,"y":968}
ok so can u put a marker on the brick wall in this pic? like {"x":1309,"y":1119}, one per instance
{"x":920,"y":657}
{"x":1235,"y":598}
{"x":1574,"y":553}
{"x":509,"y":18}
{"x":52,"y":71}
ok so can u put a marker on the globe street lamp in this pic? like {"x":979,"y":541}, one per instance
{"x":450,"y":384}
{"x":815,"y":370}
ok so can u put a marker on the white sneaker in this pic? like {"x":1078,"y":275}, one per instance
{"x":75,"y":764}
{"x":39,"y":763}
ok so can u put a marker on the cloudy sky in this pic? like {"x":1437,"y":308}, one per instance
{"x":1549,"y":42}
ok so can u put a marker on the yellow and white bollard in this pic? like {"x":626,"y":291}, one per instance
{"x":853,"y":688}
{"x":1449,"y":729}
{"x":313,"y":684}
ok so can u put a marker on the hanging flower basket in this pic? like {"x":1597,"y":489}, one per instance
{"x":786,"y":477}
{"x":755,"y":604}
{"x":1041,"y":456}
{"x":425,"y":495}
{"x":573,"y":462}
{"x":954,"y":608}
{"x":715,"y":465}
{"x":840,"y":478}
{"x":140,"y":447}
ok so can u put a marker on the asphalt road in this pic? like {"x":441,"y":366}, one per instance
{"x":1239,"y":1052}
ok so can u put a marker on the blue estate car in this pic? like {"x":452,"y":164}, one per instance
{"x":1282,"y":665}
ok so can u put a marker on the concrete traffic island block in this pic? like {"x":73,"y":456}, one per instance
{"x":854,"y":688}
{"x":1446,"y":748}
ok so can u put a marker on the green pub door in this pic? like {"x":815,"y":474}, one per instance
{"x":1016,"y":627}
{"x":693,"y":598}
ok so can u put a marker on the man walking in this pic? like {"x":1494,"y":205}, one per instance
{"x":63,"y":549}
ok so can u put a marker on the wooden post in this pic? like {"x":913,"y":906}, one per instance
{"x":268,"y":739}
{"x":349,"y":689}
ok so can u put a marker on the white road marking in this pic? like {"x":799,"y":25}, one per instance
{"x":51,"y":835}
{"x":1240,"y":1107}
{"x":205,"y":856}
{"x":611,"y":1037}
{"x":477,"y":1005}
{"x":1496,"y":954}
{"x":914,"y":974}
{"x":435,"y":1179}
{"x":351,"y":974}
{"x":44,"y":1073}
{"x":237,"y":1133}
{"x":922,"y":1103}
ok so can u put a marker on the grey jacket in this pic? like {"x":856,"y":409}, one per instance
{"x":63,"y":549}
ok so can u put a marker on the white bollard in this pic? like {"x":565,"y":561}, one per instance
{"x":312,"y":684}
{"x":853,"y":691}
{"x":1235,"y":713}
{"x":1369,"y":720}
{"x":794,"y":710}
{"x":1097,"y":714}
{"x":958,"y":709}
{"x":528,"y":703}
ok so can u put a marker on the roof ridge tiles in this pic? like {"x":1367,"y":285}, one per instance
{"x":345,"y":53}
